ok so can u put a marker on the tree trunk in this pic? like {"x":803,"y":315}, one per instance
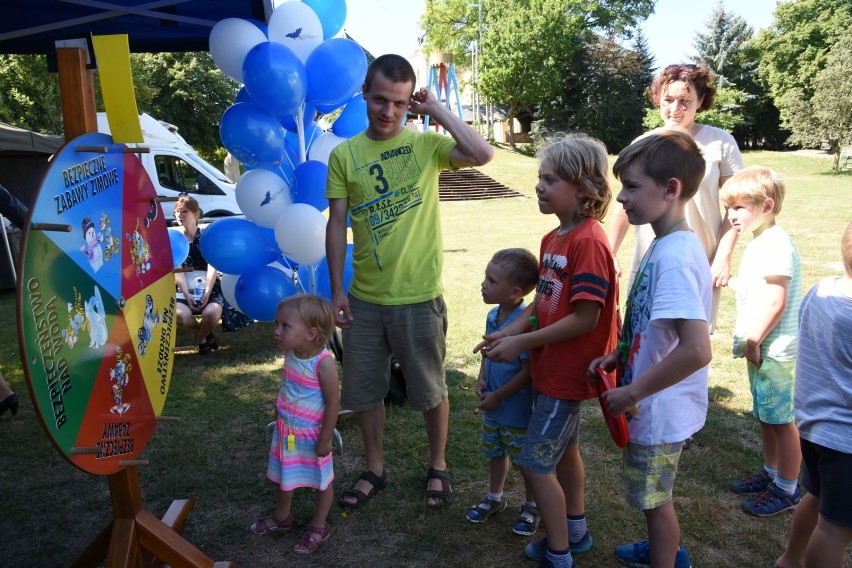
{"x":512,"y":129}
{"x":834,"y":144}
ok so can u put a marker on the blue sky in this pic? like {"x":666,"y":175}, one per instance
{"x":391,"y":26}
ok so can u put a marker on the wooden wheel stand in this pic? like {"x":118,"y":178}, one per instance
{"x":135,"y":538}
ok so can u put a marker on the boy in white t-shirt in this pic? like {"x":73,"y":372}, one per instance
{"x":665,"y":349}
{"x":769,"y":292}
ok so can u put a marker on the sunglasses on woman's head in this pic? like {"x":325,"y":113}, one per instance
{"x":689,"y":66}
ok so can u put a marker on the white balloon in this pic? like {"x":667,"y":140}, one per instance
{"x":229,"y":285}
{"x":230,"y":41}
{"x":300,"y":233}
{"x":262,"y":196}
{"x":321,"y":148}
{"x":296,"y":25}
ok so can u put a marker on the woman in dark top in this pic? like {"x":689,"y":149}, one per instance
{"x":210,"y":301}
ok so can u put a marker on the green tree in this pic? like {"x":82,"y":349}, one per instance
{"x":187,"y":90}
{"x":828,"y":113}
{"x":603,"y":94}
{"x":29,"y":94}
{"x":720,"y":46}
{"x":527,"y":45}
{"x":794,"y":48}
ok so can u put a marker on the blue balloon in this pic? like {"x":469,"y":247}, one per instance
{"x":309,"y":113}
{"x":252,"y":135}
{"x":309,"y":184}
{"x":275,"y":78}
{"x":243,"y":96}
{"x":331,"y":13}
{"x":235,"y":245}
{"x":353,"y":119}
{"x":179,"y":245}
{"x":259,"y":291}
{"x":322,"y":277}
{"x":335,"y":70}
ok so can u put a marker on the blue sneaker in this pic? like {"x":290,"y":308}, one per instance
{"x":536,"y":549}
{"x":756,"y":483}
{"x":638,"y":555}
{"x":771,"y":502}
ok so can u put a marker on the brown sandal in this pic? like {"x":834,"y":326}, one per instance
{"x":270,"y":524}
{"x":312,"y":538}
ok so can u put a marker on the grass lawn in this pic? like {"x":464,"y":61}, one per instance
{"x":216,"y":454}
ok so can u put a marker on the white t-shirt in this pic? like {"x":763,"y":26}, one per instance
{"x":674,"y":284}
{"x":772,"y":253}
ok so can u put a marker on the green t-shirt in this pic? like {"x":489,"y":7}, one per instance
{"x":392,"y":188}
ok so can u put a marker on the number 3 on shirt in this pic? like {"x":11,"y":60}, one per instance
{"x":378,"y":172}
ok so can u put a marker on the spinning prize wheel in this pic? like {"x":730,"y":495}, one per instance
{"x":96,"y":305}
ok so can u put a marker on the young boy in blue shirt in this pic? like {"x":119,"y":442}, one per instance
{"x":822,"y":525}
{"x":504,"y":387}
{"x":769,"y":292}
{"x":665,"y":348}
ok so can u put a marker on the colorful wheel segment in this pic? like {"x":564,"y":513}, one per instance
{"x":96,"y":305}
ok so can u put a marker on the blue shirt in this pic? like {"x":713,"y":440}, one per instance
{"x":514,"y":411}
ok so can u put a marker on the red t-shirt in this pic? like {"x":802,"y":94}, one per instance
{"x":574,"y":266}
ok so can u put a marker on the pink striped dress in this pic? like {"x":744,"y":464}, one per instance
{"x":300,"y":412}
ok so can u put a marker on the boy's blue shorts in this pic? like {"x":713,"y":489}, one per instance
{"x":554,"y":425}
{"x":499,"y":440}
{"x":772,"y":385}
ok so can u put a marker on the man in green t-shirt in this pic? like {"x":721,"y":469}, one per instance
{"x":386,"y":180}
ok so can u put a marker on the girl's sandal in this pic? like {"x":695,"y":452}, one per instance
{"x":312,"y":538}
{"x":270,"y":523}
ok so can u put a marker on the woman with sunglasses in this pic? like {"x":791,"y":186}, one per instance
{"x":193,"y":300}
{"x":680,"y":92}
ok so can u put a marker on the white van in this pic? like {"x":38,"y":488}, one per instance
{"x":174,"y":168}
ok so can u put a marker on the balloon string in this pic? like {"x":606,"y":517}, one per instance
{"x":300,"y":130}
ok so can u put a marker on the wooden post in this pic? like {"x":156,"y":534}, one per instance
{"x":77,"y":91}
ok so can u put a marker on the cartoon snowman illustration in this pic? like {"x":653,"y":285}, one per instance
{"x":92,"y":249}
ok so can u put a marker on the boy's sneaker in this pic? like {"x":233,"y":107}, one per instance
{"x":536,"y":549}
{"x":772,"y":501}
{"x":486,"y":509}
{"x":752,"y":484}
{"x":638,"y":555}
{"x":528,"y":520}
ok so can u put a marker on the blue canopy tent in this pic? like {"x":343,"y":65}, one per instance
{"x":152,"y":26}
{"x":51,"y":27}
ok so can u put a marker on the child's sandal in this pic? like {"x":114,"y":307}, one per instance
{"x":270,"y":523}
{"x":312,"y":538}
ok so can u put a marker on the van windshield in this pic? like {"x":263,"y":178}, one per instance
{"x":207,"y":168}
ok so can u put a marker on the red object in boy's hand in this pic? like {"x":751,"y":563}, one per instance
{"x":617,"y":424}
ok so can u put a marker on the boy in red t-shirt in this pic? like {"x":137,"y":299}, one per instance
{"x":572,"y":320}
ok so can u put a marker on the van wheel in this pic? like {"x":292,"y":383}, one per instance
{"x":219,"y":213}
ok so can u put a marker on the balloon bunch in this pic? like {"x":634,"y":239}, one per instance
{"x":293,"y":69}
